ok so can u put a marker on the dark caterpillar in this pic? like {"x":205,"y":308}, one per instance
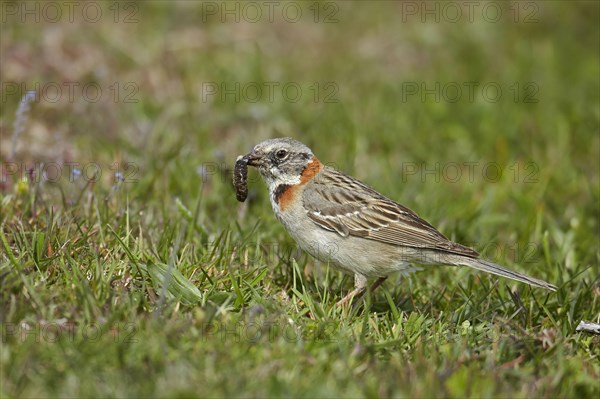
{"x":240,"y":176}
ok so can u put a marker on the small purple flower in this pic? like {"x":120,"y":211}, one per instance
{"x":75,"y":174}
{"x":21,"y":119}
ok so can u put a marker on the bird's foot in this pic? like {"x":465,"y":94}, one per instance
{"x":359,"y":290}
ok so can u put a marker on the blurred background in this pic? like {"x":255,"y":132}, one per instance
{"x":180,"y":88}
{"x":497,"y":102}
{"x":458,"y":110}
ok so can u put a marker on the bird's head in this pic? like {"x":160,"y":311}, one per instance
{"x":281,"y":161}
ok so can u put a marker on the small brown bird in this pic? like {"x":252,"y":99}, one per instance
{"x":339,"y":220}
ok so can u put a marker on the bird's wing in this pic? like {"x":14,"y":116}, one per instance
{"x":342,"y":204}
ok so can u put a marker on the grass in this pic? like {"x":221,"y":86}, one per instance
{"x":155,"y":281}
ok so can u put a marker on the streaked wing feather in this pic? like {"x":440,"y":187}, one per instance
{"x":329,"y":224}
{"x":341,"y":204}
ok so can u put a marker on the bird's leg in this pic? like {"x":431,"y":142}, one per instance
{"x":376,"y":284}
{"x":360,"y":284}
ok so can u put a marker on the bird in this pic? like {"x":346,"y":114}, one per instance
{"x":343,"y":222}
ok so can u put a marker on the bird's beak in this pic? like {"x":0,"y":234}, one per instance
{"x":254,"y":159}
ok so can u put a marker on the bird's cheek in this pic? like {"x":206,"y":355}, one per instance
{"x":266,"y":169}
{"x":266,"y":172}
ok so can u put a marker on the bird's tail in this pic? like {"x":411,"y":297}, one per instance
{"x":493,"y":268}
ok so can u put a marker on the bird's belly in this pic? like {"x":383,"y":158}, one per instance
{"x":350,"y":254}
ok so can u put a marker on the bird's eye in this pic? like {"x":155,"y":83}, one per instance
{"x":281,"y":154}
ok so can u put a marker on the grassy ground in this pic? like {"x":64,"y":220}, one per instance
{"x":152,"y":280}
